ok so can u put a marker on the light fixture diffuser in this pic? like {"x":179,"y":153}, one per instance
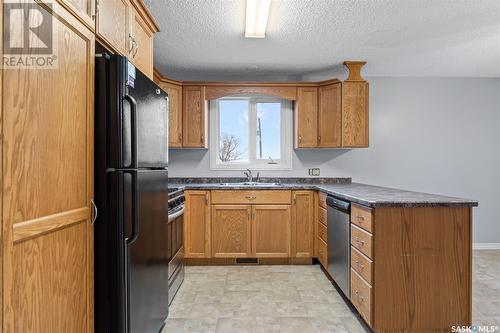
{"x":256,"y":18}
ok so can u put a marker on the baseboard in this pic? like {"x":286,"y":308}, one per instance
{"x":486,"y":246}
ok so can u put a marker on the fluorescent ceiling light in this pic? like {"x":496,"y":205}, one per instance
{"x":256,"y":19}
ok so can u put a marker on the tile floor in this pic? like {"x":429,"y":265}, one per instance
{"x":262,"y":299}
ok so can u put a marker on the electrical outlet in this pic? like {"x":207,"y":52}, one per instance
{"x":314,"y":172}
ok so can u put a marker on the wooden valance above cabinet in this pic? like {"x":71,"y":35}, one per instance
{"x":327,"y":114}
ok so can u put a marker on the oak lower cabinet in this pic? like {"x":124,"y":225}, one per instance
{"x":271,"y":231}
{"x":47,"y":185}
{"x":231,"y":231}
{"x":197,"y":224}
{"x":302,"y":224}
{"x":411,"y":267}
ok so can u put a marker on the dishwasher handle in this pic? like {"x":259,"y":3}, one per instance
{"x":338,"y":204}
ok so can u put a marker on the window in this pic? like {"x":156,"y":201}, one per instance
{"x":250,"y":132}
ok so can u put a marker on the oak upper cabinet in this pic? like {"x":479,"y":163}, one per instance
{"x":47,"y":185}
{"x":84,"y":10}
{"x":112,"y":24}
{"x":231,"y":231}
{"x":355,"y":124}
{"x":302,"y":224}
{"x":142,"y":28}
{"x":330,"y":116}
{"x":194,"y":117}
{"x":174,"y":92}
{"x":306,"y":117}
{"x":197,"y":224}
{"x":271,"y":231}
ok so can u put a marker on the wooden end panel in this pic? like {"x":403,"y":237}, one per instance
{"x":423,"y":270}
{"x":362,"y":240}
{"x":322,"y":253}
{"x":322,"y":216}
{"x":322,"y":199}
{"x":322,"y":233}
{"x":362,"y":217}
{"x":275,"y":197}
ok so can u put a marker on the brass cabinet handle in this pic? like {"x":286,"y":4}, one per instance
{"x":250,"y":197}
{"x":360,"y":297}
{"x":206,"y":198}
{"x":300,"y":138}
{"x":202,"y":137}
{"x":359,"y":241}
{"x":360,"y":218}
{"x":180,"y":137}
{"x":319,"y":138}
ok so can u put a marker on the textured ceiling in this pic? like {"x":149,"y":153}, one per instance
{"x":203,"y":39}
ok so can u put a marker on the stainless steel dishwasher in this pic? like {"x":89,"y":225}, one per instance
{"x":339,"y":238}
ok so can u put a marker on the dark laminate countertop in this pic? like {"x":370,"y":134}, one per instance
{"x":368,"y":195}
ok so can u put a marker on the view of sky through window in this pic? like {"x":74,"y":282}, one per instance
{"x":268,"y":131}
{"x":233,"y":130}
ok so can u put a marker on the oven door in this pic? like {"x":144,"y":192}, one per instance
{"x":176,"y":251}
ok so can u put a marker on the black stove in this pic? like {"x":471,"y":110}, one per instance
{"x":175,"y":199}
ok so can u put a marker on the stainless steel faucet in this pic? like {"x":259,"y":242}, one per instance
{"x":249,"y":175}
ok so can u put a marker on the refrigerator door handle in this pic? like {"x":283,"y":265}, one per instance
{"x":135,"y":214}
{"x":133,"y":120}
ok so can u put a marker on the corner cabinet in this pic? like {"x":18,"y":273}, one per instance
{"x":194,"y":117}
{"x":197,"y":224}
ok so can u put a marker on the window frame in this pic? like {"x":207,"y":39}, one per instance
{"x":286,"y":123}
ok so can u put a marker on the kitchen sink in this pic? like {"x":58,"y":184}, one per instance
{"x":250,"y":184}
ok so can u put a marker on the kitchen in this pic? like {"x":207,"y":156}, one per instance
{"x":250,"y":166}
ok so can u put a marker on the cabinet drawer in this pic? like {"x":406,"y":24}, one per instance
{"x":362,"y":217}
{"x":322,"y":199}
{"x":361,"y":265}
{"x":361,"y":296}
{"x":322,"y":232}
{"x":322,"y":215}
{"x":251,"y":197}
{"x":322,"y":253}
{"x":361,"y":240}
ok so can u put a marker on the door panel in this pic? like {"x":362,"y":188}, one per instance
{"x":330,"y":116}
{"x":194,"y":117}
{"x":142,"y":53}
{"x":84,"y":10}
{"x":148,"y":255}
{"x":302,"y":224}
{"x":174,"y":114}
{"x":306,"y":118}
{"x":197,"y":224}
{"x":355,"y":114}
{"x":47,"y":186}
{"x":113,"y":24}
{"x":231,"y":231}
{"x":271,"y":231}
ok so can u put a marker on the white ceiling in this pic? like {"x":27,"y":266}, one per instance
{"x":203,"y":39}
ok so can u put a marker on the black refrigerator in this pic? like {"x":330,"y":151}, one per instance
{"x":131,"y":197}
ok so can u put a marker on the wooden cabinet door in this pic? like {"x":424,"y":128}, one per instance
{"x":355,"y":114}
{"x":330,"y":116}
{"x":306,"y":118}
{"x":271,"y":231}
{"x":174,"y":113}
{"x":47,"y":186}
{"x":302,"y":224}
{"x":141,"y":50}
{"x":231,"y":231}
{"x":197,"y":224}
{"x":194,"y":117}
{"x":84,"y":10}
{"x":113,"y":24}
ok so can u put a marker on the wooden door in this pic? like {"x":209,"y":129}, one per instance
{"x":141,"y":50}
{"x":194,"y":117}
{"x":113,"y":25}
{"x":84,"y":10}
{"x":306,"y":118}
{"x":197,"y":224}
{"x":47,"y":237}
{"x":302,"y":224}
{"x":271,"y":231}
{"x":355,"y":114}
{"x":231,"y":231}
{"x":174,"y":92}
{"x":330,"y":116}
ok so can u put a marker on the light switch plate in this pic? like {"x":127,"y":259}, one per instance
{"x":314,"y":172}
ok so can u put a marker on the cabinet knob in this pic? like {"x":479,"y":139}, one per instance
{"x":319,"y":138}
{"x":300,"y":138}
{"x":202,"y":137}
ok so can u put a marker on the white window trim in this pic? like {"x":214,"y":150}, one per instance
{"x":285,"y":163}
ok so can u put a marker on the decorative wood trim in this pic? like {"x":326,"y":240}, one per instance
{"x":286,"y":92}
{"x":40,"y":226}
{"x":354,"y":68}
{"x":145,"y":15}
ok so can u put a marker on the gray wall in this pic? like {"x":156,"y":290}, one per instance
{"x":435,"y":135}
